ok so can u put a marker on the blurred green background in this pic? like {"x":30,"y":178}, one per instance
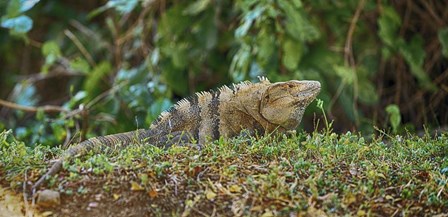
{"x":113,"y":65}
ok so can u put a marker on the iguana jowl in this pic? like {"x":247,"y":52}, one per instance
{"x":261,"y":108}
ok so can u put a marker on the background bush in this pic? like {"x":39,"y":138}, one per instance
{"x":112,"y":66}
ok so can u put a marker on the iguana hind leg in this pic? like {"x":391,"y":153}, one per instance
{"x":180,"y":138}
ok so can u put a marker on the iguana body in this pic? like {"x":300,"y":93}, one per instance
{"x":260,"y":108}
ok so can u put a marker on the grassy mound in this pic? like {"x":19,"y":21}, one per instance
{"x":305,"y":174}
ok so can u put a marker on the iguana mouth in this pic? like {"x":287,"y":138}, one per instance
{"x":313,"y":89}
{"x":310,"y":91}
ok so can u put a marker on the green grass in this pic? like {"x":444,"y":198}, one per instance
{"x":301,"y":174}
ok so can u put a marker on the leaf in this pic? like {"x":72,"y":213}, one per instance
{"x":153,"y":193}
{"x":297,"y":25}
{"x":210,"y":32}
{"x":248,"y":19}
{"x":443,"y":38}
{"x":46,"y":213}
{"x":40,"y":115}
{"x":25,"y":5}
{"x":394,"y":116}
{"x":267,"y":213}
{"x":235,"y":188}
{"x":292,"y":53}
{"x":266,"y":46}
{"x":444,"y":171}
{"x":136,"y":187}
{"x":12,"y":10}
{"x":59,"y":131}
{"x":51,"y":51}
{"x":80,"y":64}
{"x":389,"y":23}
{"x":255,"y":70}
{"x":196,"y":7}
{"x":122,"y":6}
{"x":367,"y":92}
{"x":414,"y":55}
{"x":116,"y":196}
{"x":349,"y":198}
{"x":297,"y":3}
{"x":179,"y":56}
{"x":189,"y":203}
{"x":210,"y":195}
{"x":240,"y":63}
{"x":345,"y":73}
{"x":312,"y":211}
{"x":144,"y":178}
{"x":172,"y":25}
{"x":361,"y":213}
{"x":20,"y":24}
{"x":94,"y":79}
{"x":76,"y":99}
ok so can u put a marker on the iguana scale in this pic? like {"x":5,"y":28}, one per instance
{"x":261,"y":108}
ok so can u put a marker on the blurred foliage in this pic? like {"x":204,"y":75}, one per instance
{"x":114,"y":65}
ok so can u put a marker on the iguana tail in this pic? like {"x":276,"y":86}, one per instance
{"x":133,"y":137}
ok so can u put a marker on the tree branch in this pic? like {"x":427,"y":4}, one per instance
{"x":46,"y":108}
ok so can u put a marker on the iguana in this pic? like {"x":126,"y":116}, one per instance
{"x":261,"y":108}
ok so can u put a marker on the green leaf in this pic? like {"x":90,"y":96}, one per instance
{"x":173,"y":24}
{"x":13,"y":9}
{"x":240,"y":63}
{"x":394,"y":116}
{"x":346,"y":101}
{"x":59,"y":131}
{"x":76,"y":99}
{"x":196,"y":7}
{"x":122,"y":6}
{"x":247,"y":21}
{"x":292,"y":53}
{"x":414,"y":55}
{"x":20,"y":24}
{"x":266,"y":46}
{"x":80,"y":64}
{"x":345,"y":73}
{"x":26,"y":5}
{"x":297,"y":25}
{"x":179,"y":56}
{"x":389,"y":23}
{"x":208,"y":33}
{"x":40,"y":115}
{"x":367,"y":92}
{"x":94,"y":80}
{"x":51,"y":48}
{"x":16,"y":7}
{"x":176,"y":79}
{"x":443,"y":38}
{"x":297,"y":3}
{"x":51,"y":51}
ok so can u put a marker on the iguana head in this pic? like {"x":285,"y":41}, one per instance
{"x":283,"y":103}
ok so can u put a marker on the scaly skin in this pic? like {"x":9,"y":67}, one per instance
{"x":254,"y":107}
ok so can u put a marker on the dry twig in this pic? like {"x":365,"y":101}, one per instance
{"x":45,"y":108}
